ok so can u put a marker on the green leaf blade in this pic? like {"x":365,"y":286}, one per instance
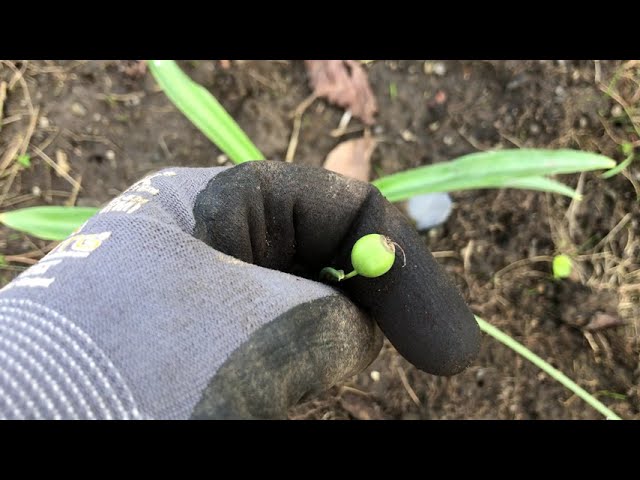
{"x":554,"y":373}
{"x":204,"y":111}
{"x":542,"y":184}
{"x":48,"y":222}
{"x":492,"y":169}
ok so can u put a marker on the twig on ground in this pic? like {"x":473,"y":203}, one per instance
{"x":407,"y":387}
{"x":56,"y":167}
{"x":20,"y":259}
{"x":342,"y":125}
{"x":570,"y":215}
{"x":614,"y":231}
{"x":30,"y":129}
{"x":7,"y":186}
{"x":74,"y":193}
{"x":297,"y":123}
{"x":3,"y":97}
{"x":520,"y":263}
{"x":10,"y":153}
{"x":293,"y":142}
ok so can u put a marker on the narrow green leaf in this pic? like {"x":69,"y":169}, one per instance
{"x":206,"y":113}
{"x":489,"y":170}
{"x":48,"y":223}
{"x":542,"y":184}
{"x":607,"y":393}
{"x":554,"y":373}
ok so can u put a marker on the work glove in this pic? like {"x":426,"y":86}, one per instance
{"x":195,"y":294}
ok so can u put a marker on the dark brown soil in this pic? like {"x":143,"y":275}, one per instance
{"x":114,"y":125}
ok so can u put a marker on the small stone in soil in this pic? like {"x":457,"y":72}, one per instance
{"x":78,"y":109}
{"x":408,"y":136}
{"x":439,"y":69}
{"x":429,"y":210}
{"x":616,"y":111}
{"x":435,"y":233}
{"x":534,"y":129}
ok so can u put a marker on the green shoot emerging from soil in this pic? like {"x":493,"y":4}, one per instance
{"x":562,"y":266}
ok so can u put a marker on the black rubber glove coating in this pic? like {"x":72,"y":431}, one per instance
{"x":300,"y":219}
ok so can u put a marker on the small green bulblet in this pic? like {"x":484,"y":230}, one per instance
{"x":372,"y":256}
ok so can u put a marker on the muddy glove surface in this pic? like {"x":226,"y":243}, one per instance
{"x":194,"y":295}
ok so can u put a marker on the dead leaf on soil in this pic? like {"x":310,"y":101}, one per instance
{"x":601,"y":321}
{"x":352,"y":158}
{"x":345,"y":83}
{"x":133,"y":68}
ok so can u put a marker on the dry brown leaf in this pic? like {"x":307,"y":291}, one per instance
{"x":602,"y":320}
{"x":352,"y":158}
{"x":345,"y":83}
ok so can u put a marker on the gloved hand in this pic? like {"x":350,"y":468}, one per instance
{"x":194,"y":295}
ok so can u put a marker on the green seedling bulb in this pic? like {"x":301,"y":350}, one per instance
{"x":372,"y":256}
{"x":562,"y":266}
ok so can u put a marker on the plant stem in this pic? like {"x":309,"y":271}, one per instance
{"x":618,"y":168}
{"x":545,"y":367}
{"x":328,"y":273}
{"x":350,"y":275}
